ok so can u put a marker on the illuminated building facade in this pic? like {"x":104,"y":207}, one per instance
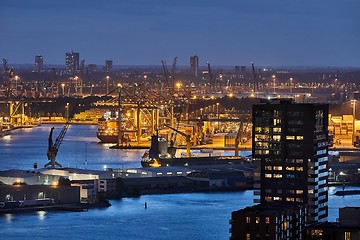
{"x":72,"y":63}
{"x":194,"y":65}
{"x":291,"y":141}
{"x":268,"y":222}
{"x":39,"y":63}
{"x":108,"y":66}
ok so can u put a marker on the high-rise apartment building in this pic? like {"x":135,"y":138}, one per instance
{"x":39,"y":63}
{"x":291,"y":140}
{"x":194,"y":65}
{"x":108,"y":66}
{"x":72,"y":63}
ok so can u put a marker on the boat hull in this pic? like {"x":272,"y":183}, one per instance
{"x":107,"y":138}
{"x":192,"y":161}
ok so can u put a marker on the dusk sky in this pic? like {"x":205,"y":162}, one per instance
{"x":143,"y":32}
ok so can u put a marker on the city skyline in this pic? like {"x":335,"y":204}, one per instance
{"x":306,"y":33}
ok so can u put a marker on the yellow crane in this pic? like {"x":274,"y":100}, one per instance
{"x":187,"y":137}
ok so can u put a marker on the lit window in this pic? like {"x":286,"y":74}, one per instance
{"x":267,"y":167}
{"x":290,"y":168}
{"x":268,"y":175}
{"x":347,"y":236}
{"x":248,"y":219}
{"x":299,"y":200}
{"x":277,"y":130}
{"x":311,"y":191}
{"x":268,"y":199}
{"x":299,"y":191}
{"x":299,"y":137}
{"x":257,"y":219}
{"x":278,"y":168}
{"x":299,"y":161}
{"x":277,"y":198}
{"x":8,"y":198}
{"x":300,"y":169}
{"x":290,"y":137}
{"x":267,"y":220}
{"x":41,"y":195}
{"x":248,"y":236}
{"x":277,"y":175}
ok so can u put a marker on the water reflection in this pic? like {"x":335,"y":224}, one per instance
{"x":9,"y":217}
{"x":41,"y":215}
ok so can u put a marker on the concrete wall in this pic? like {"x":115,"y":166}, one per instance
{"x":30,"y":192}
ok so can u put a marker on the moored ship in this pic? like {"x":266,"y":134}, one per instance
{"x":161,"y":154}
{"x":108,"y":127}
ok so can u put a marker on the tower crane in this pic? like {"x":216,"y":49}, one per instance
{"x":53,"y":148}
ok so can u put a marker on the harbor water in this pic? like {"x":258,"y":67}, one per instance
{"x":168,"y":216}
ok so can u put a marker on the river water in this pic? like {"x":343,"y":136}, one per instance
{"x":168,"y":216}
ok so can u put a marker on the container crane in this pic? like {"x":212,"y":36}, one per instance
{"x":53,"y":148}
{"x":187,"y":137}
{"x":9,"y":75}
{"x":212,"y":84}
{"x":166,"y":73}
{"x":239,"y":137}
{"x":254,"y":77}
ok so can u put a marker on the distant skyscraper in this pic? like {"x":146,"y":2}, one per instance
{"x":108,"y":66}
{"x":194,"y":64}
{"x":39,"y":63}
{"x":243,"y":70}
{"x":237,"y":70}
{"x":72,"y":63}
{"x":92,"y":68}
{"x":291,"y":140}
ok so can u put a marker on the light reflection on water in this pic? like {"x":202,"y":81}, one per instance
{"x":8,"y":217}
{"x":41,"y":215}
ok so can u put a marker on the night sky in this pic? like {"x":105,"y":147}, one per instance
{"x":143,"y":32}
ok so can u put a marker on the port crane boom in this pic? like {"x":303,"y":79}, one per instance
{"x":53,"y":148}
{"x":187,"y":137}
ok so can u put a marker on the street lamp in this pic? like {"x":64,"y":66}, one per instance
{"x":178,"y":86}
{"x":63,"y":88}
{"x":274,"y":82}
{"x":107,"y":84}
{"x":291,"y":80}
{"x":67,"y":112}
{"x":354,"y":115}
